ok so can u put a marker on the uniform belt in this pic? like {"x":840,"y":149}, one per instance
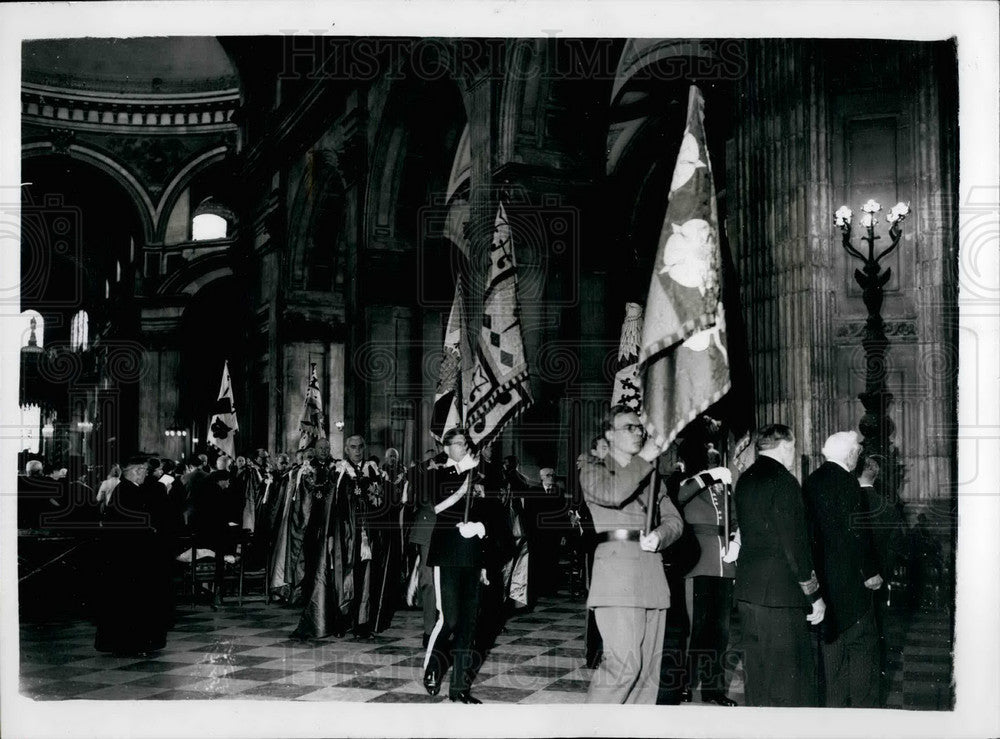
{"x":618,"y":535}
{"x":708,"y":528}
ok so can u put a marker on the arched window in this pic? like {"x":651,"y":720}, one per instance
{"x":32,"y":329}
{"x":79,"y":332}
{"x":107,"y":290}
{"x":208,"y":226}
{"x":31,"y":423}
{"x":118,"y":270}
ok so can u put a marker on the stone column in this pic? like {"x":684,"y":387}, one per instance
{"x":934,"y":240}
{"x":159,"y":402}
{"x":781,"y":235}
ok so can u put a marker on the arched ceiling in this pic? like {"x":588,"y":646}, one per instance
{"x":123,"y":66}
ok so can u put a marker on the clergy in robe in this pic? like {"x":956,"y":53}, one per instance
{"x":247,"y":480}
{"x":360,"y":487}
{"x":388,"y":546}
{"x":322,"y":583}
{"x":278,"y":580}
{"x":517,"y":566}
{"x":133,"y":584}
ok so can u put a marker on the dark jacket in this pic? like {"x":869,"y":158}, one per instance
{"x":419,"y":505}
{"x":704,"y":500}
{"x":774,"y":556}
{"x":888,"y":530}
{"x":448,"y":548}
{"x":842,"y":547}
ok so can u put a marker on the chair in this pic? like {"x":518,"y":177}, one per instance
{"x":251,"y":564}
{"x":197,"y":576}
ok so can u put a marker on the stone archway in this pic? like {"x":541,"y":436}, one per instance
{"x":410,"y":283}
{"x":122,"y":176}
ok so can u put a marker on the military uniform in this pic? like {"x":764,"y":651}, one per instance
{"x":457,"y":562}
{"x":706,"y":505}
{"x":628,"y":590}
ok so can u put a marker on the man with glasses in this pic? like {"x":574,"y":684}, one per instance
{"x":628,"y":590}
{"x":456,"y":554}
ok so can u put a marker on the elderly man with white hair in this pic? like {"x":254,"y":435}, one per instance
{"x":846,"y":564}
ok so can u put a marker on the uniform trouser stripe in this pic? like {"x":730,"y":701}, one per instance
{"x":440,"y":620}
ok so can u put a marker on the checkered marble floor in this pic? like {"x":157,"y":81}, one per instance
{"x":245,"y":653}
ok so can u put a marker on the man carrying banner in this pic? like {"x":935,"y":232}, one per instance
{"x":628,"y":591}
{"x":684,"y":351}
{"x":456,"y":554}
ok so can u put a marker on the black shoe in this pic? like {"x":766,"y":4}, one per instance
{"x":721,"y":700}
{"x":686,"y":695}
{"x":432,"y":681}
{"x":465,"y":697}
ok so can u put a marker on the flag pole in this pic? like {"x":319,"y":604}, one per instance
{"x":654,"y":494}
{"x":725,"y":518}
{"x":468,"y":499}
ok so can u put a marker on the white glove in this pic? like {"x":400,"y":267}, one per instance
{"x":722,"y":474}
{"x":818,"y":612}
{"x":483,"y":578}
{"x":733,"y":552}
{"x":874,"y":583}
{"x":468,"y":529}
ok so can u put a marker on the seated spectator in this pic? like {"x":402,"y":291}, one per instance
{"x":108,"y":484}
{"x":37,"y":494}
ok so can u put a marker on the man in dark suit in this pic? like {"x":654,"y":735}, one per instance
{"x":886,"y":522}
{"x":776,"y":586}
{"x":546,"y":506}
{"x":848,"y":571}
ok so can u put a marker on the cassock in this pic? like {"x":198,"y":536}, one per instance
{"x":284,"y":494}
{"x":134,"y":584}
{"x":248,"y":481}
{"x":324,"y":590}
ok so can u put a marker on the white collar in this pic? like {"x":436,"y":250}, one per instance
{"x":839,"y":464}
{"x":465,"y":464}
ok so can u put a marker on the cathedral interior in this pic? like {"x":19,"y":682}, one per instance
{"x":278,"y":203}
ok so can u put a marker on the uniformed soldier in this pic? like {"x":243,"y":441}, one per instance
{"x":628,"y":591}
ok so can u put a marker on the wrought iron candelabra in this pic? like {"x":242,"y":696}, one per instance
{"x":876,"y":426}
